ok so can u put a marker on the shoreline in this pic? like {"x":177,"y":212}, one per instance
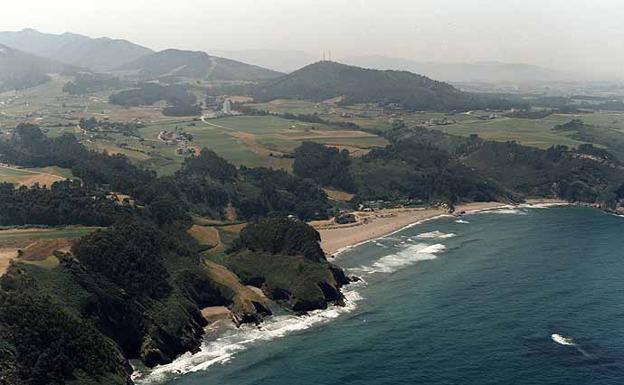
{"x":335,"y":239}
{"x":223,"y":346}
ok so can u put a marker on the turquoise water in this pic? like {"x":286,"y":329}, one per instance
{"x":465,"y":303}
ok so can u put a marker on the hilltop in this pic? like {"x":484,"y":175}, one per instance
{"x":195,"y":64}
{"x":19,"y":70}
{"x":325,"y":80}
{"x":99,"y":54}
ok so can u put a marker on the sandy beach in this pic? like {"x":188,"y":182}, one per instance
{"x":375,"y":224}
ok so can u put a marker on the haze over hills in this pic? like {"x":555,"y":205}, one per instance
{"x":20,"y":70}
{"x":195,"y":64}
{"x":480,"y":72}
{"x":326,"y":80}
{"x":101,"y":54}
{"x":279,"y":60}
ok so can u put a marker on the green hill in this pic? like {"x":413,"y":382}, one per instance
{"x":326,"y":80}
{"x":99,"y":54}
{"x":19,"y":70}
{"x":175,"y":63}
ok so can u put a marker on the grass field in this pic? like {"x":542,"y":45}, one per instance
{"x":253,"y":141}
{"x":606,"y":128}
{"x":37,"y":244}
{"x":45,"y":176}
{"x":268,"y":140}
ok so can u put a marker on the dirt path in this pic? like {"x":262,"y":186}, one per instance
{"x":203,"y":119}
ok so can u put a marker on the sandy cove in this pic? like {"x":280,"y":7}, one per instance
{"x":376,"y":224}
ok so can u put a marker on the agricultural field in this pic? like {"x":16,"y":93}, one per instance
{"x":44,"y":176}
{"x":37,"y":245}
{"x":604,"y":129}
{"x":252,"y":141}
{"x":267,"y":141}
{"x":47,"y":106}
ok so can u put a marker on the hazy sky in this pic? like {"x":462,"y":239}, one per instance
{"x":576,"y":35}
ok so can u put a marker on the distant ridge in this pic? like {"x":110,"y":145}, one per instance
{"x":20,"y":70}
{"x":195,"y":64}
{"x":278,"y":60}
{"x":479,"y":72}
{"x":101,"y":54}
{"x":325,"y":80}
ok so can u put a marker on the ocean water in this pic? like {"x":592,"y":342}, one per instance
{"x":525,"y":296}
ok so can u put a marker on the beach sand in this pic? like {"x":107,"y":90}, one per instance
{"x":375,"y":224}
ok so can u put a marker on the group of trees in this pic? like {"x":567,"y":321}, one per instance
{"x":29,"y":147}
{"x":205,"y":184}
{"x":94,"y":125}
{"x":426,"y":165}
{"x":180,"y":101}
{"x":326,"y":165}
{"x":128,"y":254}
{"x":85,"y":83}
{"x":64,"y":203}
{"x":281,"y":235}
{"x":307,"y":118}
{"x":134,"y":289}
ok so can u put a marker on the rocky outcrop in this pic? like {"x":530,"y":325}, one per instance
{"x":294,"y":281}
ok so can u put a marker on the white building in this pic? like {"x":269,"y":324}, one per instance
{"x":227,"y":107}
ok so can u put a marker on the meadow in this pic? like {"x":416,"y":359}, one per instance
{"x":44,"y":176}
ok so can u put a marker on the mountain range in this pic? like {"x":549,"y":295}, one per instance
{"x":20,"y":70}
{"x":101,"y":54}
{"x":112,"y":55}
{"x":195,"y":64}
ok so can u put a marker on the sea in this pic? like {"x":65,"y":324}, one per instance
{"x":513,"y":296}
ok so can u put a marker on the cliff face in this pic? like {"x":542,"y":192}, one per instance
{"x":133,"y":292}
{"x":292,"y":280}
{"x":282,"y":256}
{"x":98,"y":319}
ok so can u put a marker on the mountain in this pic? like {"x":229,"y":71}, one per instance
{"x":19,"y":70}
{"x":480,"y":72}
{"x":101,"y":54}
{"x":195,"y":64}
{"x":326,"y":80}
{"x":279,"y":60}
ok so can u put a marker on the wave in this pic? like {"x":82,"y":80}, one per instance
{"x":461,"y":221}
{"x":233,"y":341}
{"x":506,"y":211}
{"x":543,"y":205}
{"x":435,"y":234}
{"x":408,"y":256}
{"x":345,"y":249}
{"x":566,"y":341}
{"x":561,"y":340}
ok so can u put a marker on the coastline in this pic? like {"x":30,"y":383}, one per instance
{"x":226,"y":340}
{"x":376,"y":224}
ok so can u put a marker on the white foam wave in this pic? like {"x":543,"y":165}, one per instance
{"x":558,"y":338}
{"x":506,"y":211}
{"x":408,"y":256}
{"x":461,"y":221}
{"x":345,"y":249}
{"x":435,"y":235}
{"x":543,"y":205}
{"x":225,"y":347}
